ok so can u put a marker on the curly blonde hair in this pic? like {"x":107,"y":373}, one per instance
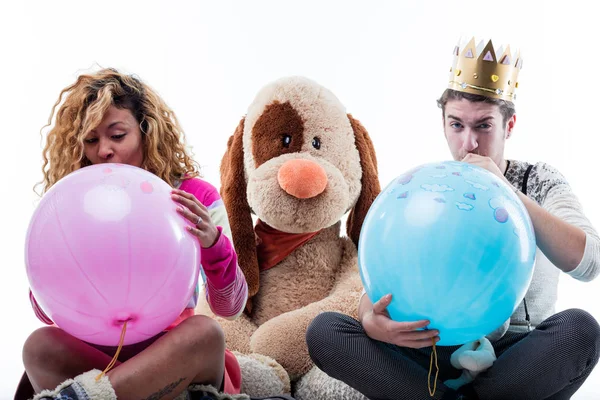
{"x":85,"y":103}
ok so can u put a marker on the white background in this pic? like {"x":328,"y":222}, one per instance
{"x":386,"y":61}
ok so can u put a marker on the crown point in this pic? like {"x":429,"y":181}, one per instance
{"x":488,"y":56}
{"x":517,"y":85}
{"x":475,"y":64}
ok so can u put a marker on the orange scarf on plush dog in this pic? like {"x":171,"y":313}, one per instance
{"x":272,"y":246}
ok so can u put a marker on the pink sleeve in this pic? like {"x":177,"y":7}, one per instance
{"x":226,"y":287}
{"x":38,"y":310}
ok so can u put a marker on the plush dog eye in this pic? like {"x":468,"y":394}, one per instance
{"x":286,"y":140}
{"x":316,"y":143}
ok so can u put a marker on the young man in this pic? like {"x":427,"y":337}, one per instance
{"x":543,"y":355}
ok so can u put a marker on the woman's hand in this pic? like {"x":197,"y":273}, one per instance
{"x":195,"y":212}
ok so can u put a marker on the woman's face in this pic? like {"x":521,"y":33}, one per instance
{"x":118,"y":139}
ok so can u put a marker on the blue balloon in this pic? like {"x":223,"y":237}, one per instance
{"x":453,"y":244}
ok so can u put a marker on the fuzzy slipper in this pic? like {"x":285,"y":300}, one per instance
{"x":82,"y":387}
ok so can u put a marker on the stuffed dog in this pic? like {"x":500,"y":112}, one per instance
{"x":297,"y":162}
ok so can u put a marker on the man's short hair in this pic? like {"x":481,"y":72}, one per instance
{"x":507,"y":108}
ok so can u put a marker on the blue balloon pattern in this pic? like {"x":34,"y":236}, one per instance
{"x":453,"y":244}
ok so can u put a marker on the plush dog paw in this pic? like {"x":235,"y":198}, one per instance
{"x":262,"y":376}
{"x":316,"y":385}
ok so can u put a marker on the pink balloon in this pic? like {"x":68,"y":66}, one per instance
{"x":106,"y":245}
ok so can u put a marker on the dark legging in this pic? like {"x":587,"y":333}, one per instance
{"x":551,"y":362}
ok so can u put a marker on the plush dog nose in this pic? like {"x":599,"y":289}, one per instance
{"x":302,"y":179}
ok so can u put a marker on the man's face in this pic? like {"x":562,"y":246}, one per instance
{"x":476,"y":128}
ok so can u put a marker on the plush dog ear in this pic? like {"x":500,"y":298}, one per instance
{"x":370,"y":187}
{"x":233,"y":192}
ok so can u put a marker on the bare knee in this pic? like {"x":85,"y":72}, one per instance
{"x":201,"y":334}
{"x":44,"y":347}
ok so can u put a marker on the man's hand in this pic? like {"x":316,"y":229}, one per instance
{"x":485,"y":163}
{"x":378,"y":325}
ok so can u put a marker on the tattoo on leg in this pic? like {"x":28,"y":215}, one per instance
{"x":165,"y":391}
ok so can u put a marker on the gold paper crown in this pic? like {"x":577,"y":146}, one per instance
{"x":479,"y":70}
